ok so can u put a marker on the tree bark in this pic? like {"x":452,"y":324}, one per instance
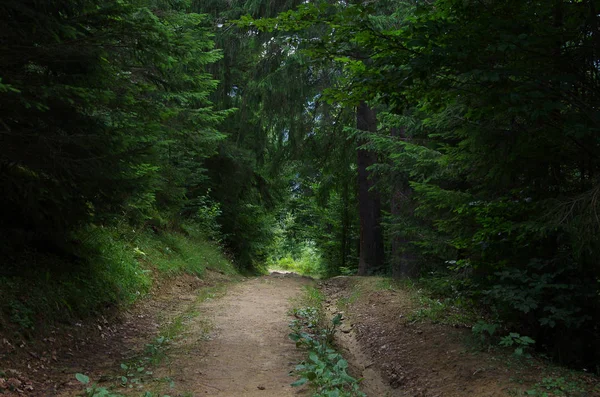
{"x":369,"y":203}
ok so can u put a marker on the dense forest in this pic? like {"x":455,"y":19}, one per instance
{"x":455,"y":142}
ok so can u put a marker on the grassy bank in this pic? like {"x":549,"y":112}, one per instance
{"x":421,"y":315}
{"x":104,"y":267}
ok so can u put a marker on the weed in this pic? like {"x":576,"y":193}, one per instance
{"x":307,"y":316}
{"x":312,"y":297}
{"x":21,"y":315}
{"x":325,"y":369}
{"x":521,"y":343}
{"x":385,"y":284}
{"x":557,"y":387}
{"x":344,"y":302}
{"x":174,"y":327}
{"x":154,"y":351}
{"x":441,"y":310}
{"x":93,"y":390}
{"x":484,"y":332}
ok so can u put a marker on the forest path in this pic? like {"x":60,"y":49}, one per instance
{"x":238,"y":345}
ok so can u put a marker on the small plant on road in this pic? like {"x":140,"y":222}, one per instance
{"x":325,"y":369}
{"x":93,"y":390}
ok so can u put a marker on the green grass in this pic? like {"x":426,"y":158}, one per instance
{"x":433,"y":301}
{"x":345,"y":302}
{"x":304,"y":266}
{"x":175,"y":253}
{"x":442,"y":311}
{"x":106,"y":267}
{"x":545,"y":379}
{"x":310,"y":297}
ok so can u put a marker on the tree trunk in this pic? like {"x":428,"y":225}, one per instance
{"x":403,"y":262}
{"x":369,"y":204}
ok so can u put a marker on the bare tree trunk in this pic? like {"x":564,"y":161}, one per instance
{"x":369,"y":203}
{"x":403,"y":261}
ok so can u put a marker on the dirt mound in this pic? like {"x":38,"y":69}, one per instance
{"x":46,"y":365}
{"x":415,"y":359}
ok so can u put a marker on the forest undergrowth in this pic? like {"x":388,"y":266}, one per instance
{"x":110,"y":267}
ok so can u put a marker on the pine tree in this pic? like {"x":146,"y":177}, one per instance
{"x":96,"y":99}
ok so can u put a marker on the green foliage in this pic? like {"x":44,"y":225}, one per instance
{"x":154,"y":352}
{"x":437,"y":305}
{"x":101,"y":99}
{"x":261,"y":77}
{"x":498,"y":156}
{"x":325,"y":369}
{"x":557,"y":387}
{"x":121,"y":261}
{"x":444,"y":311}
{"x":484,"y":331}
{"x":313,"y":297}
{"x":174,"y":252}
{"x":103,"y":272}
{"x":309,"y":261}
{"x":520,"y":343}
{"x":309,"y":317}
{"x":97,"y":391}
{"x":207,"y":217}
{"x":94,"y":390}
{"x":21,"y":315}
{"x":106,"y":123}
{"x":112,"y":119}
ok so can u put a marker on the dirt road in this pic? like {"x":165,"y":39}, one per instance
{"x":238,"y":345}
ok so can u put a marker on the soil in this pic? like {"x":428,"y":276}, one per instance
{"x":420,"y":359}
{"x":46,"y":365}
{"x":235,"y":344}
{"x":246,"y":350}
